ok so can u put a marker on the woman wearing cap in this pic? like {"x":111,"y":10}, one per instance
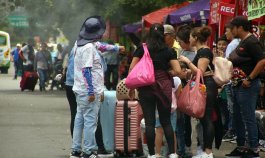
{"x":158,"y":95}
{"x":247,"y":59}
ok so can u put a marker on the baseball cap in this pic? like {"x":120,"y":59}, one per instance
{"x":18,"y":45}
{"x":169,"y":29}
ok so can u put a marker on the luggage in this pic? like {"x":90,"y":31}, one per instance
{"x":122,"y":92}
{"x":128,"y":115}
{"x":29,"y":80}
{"x":107,"y":112}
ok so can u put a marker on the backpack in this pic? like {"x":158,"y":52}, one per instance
{"x":223,"y":70}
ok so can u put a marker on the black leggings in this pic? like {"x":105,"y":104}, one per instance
{"x":73,"y":105}
{"x":149,"y":102}
{"x":206,"y":121}
{"x":188,"y":130}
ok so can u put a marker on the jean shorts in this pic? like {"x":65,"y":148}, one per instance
{"x":173,"y":120}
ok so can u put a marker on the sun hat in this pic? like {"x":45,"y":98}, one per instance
{"x":93,"y":28}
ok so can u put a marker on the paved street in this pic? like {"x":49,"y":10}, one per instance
{"x":36,"y":124}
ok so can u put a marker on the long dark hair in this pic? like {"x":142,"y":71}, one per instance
{"x":155,"y":39}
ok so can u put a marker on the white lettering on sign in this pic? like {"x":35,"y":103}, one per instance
{"x":245,"y":13}
{"x":227,"y":9}
{"x":185,"y":17}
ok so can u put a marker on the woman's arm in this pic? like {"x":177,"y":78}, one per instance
{"x":135,"y":60}
{"x":176,"y":70}
{"x":202,"y":64}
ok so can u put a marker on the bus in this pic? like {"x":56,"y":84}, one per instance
{"x":5,"y":51}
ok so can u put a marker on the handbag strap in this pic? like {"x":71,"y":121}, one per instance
{"x":199,"y":77}
{"x":146,"y":52}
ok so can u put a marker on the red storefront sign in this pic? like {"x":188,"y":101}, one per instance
{"x":226,"y":9}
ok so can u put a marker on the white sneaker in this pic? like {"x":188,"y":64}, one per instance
{"x":151,"y":156}
{"x":203,"y":155}
{"x":158,"y":156}
{"x":174,"y":155}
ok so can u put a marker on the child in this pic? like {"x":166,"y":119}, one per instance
{"x":159,"y":130}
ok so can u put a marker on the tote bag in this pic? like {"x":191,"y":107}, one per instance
{"x":223,"y":70}
{"x":143,"y":72}
{"x":192,"y":99}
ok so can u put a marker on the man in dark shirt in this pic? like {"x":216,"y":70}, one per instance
{"x":249,"y":54}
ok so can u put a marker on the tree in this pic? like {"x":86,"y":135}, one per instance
{"x":45,"y":16}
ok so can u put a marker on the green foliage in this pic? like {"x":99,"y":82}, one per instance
{"x":45,"y":16}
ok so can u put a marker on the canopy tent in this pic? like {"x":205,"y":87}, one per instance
{"x":159,"y":15}
{"x":131,"y":28}
{"x":195,"y":11}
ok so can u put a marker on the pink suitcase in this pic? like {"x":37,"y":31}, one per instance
{"x":128,"y":115}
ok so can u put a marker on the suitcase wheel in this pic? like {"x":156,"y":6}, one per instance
{"x":134,"y":155}
{"x":117,"y":154}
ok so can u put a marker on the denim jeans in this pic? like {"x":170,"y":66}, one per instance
{"x":42,"y":75}
{"x":16,"y":69}
{"x":85,"y":121}
{"x":229,"y":95}
{"x":180,"y":133}
{"x":244,"y":113}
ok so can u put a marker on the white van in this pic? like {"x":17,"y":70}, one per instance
{"x":5,"y":51}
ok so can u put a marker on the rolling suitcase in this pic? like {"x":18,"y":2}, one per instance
{"x":128,"y":115}
{"x":29,"y":80}
{"x":107,"y":119}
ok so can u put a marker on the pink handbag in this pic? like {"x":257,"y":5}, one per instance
{"x":192,"y":99}
{"x":143,"y":72}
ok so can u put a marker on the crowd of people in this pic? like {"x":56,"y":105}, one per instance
{"x":177,"y":55}
{"x":27,"y":57}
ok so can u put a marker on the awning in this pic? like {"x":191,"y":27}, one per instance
{"x":159,"y":15}
{"x":194,"y":11}
{"x":132,"y":28}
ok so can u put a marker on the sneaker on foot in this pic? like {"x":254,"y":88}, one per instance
{"x":262,"y":145}
{"x":75,"y":154}
{"x":151,"y":156}
{"x":237,"y":152}
{"x":158,"y":156}
{"x":91,"y":155}
{"x":229,"y":136}
{"x":174,"y":155}
{"x":233,"y":141}
{"x":204,"y":155}
{"x":104,"y":153}
{"x":252,"y":154}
